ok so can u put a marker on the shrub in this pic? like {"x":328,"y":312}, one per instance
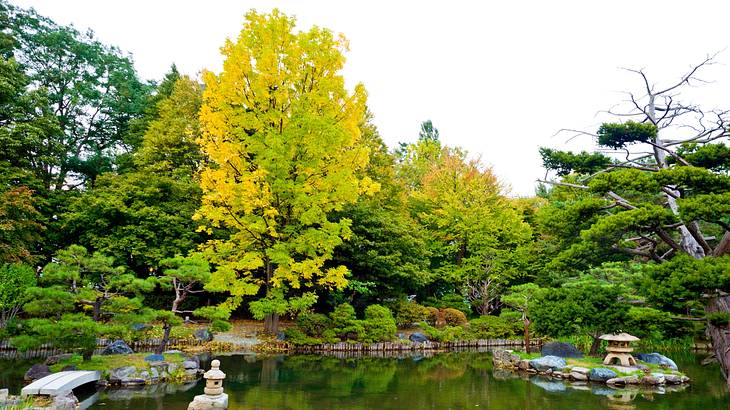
{"x":313,"y":324}
{"x":454,"y":317}
{"x":378,"y":326}
{"x":647,"y":323}
{"x":410,"y":313}
{"x":434,"y":316}
{"x":447,"y":334}
{"x":296,"y":336}
{"x":490,"y":327}
{"x":219,"y":325}
{"x":514,"y":319}
{"x":344,"y":323}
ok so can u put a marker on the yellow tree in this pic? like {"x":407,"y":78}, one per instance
{"x":282,"y":136}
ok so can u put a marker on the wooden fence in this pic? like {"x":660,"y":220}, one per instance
{"x":7,"y":351}
{"x":413,"y":346}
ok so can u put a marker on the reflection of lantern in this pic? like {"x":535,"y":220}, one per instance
{"x":214,"y":379}
{"x":619,"y":348}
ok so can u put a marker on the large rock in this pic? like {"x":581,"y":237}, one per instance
{"x":203,"y":335}
{"x":51,"y":360}
{"x":658,"y":359}
{"x":505,"y":359}
{"x":601,"y":374}
{"x":545,"y":363}
{"x":418,"y":337}
{"x":190,"y":364}
{"x":121,"y":373}
{"x":65,"y":401}
{"x":117,"y":347}
{"x":37,"y":371}
{"x":561,"y":349}
{"x":4,"y":393}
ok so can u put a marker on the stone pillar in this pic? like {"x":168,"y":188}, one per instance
{"x":214,"y":398}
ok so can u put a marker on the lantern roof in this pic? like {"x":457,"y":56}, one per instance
{"x":215,"y":372}
{"x":619,"y":337}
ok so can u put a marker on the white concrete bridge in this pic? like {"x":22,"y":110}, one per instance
{"x":57,"y":383}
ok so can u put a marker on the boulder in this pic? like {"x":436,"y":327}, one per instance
{"x":545,"y":363}
{"x":203,"y":335}
{"x":190,"y":364}
{"x":51,"y":360}
{"x":650,"y":380}
{"x":578,"y":376}
{"x":418,"y":337}
{"x":523,"y":364}
{"x":121,"y":373}
{"x":68,"y":368}
{"x":623,"y":380}
{"x":601,"y":374}
{"x":172,"y":367}
{"x":117,"y":347}
{"x":505,"y":359}
{"x":37,"y":371}
{"x":673,"y":379}
{"x":154,"y":358}
{"x":65,"y":401}
{"x":581,"y":370}
{"x":660,"y":378}
{"x":281,"y":336}
{"x":560,"y":349}
{"x":658,"y":359}
{"x":4,"y":393}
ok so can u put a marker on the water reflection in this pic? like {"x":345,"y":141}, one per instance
{"x":441,"y":381}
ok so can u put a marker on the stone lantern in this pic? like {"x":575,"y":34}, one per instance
{"x":619,"y":348}
{"x":214,"y":398}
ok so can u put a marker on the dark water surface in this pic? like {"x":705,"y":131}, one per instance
{"x":445,"y":381}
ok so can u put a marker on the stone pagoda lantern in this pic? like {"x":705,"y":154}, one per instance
{"x":214,"y":398}
{"x":619,"y":348}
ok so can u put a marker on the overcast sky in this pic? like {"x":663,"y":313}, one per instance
{"x":497,"y":78}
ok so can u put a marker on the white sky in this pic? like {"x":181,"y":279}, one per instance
{"x":497,"y":78}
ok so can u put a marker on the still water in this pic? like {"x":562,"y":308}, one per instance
{"x":463,"y":380}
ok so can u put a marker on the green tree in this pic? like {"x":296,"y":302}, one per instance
{"x":91,"y":278}
{"x":185,"y":276}
{"x":145,"y":215}
{"x":16,"y":280}
{"x":282,"y":137}
{"x":591,"y":309}
{"x":92,"y":88}
{"x":669,"y":194}
{"x":522,"y":298}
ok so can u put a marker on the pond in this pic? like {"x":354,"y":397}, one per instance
{"x":442,"y":381}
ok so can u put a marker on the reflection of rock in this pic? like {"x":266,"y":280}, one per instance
{"x":501,"y":374}
{"x":550,"y":385}
{"x":561,"y":349}
{"x":656,"y":358}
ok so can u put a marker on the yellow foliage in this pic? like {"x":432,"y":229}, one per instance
{"x":282,"y":134}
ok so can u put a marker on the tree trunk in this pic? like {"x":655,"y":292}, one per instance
{"x":720,"y":335}
{"x":594,"y":346}
{"x":724,"y":246}
{"x":97,"y":309}
{"x":271,"y":323}
{"x":165,"y":338}
{"x":526,"y":321}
